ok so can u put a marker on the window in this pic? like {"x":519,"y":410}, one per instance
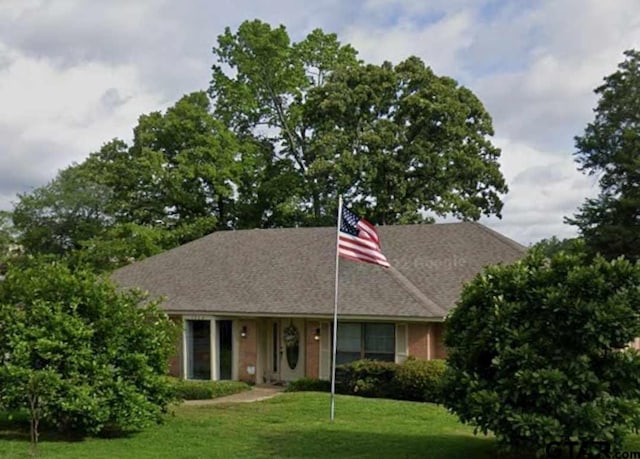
{"x":375,"y":341}
{"x":198,"y":349}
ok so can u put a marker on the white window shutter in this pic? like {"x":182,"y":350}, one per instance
{"x":325,"y":352}
{"x":402,"y":347}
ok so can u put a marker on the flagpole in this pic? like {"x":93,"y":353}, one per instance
{"x":335,"y":315}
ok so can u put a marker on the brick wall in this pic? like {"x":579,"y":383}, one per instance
{"x":438,"y":351}
{"x":247,"y":350}
{"x":425,"y":339}
{"x":419,"y":341}
{"x":312,"y":348}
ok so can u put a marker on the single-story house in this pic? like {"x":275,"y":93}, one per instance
{"x":257,"y":305}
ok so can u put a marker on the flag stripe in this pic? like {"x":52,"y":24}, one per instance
{"x":348,"y":245}
{"x":355,"y":257}
{"x":359,"y":241}
{"x":370,"y":230}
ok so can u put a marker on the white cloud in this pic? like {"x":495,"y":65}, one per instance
{"x":543,"y":189}
{"x":76,"y":73}
{"x":59,"y":115}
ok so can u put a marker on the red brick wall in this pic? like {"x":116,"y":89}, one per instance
{"x":312,"y":350}
{"x":419,"y":341}
{"x":175,"y":361}
{"x":248,"y":349}
{"x":438,"y":351}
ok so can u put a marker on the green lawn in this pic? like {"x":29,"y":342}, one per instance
{"x":289,"y":426}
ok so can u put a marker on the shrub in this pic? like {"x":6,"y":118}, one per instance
{"x":205,"y":390}
{"x":367,"y":378}
{"x":79,"y":354}
{"x":309,"y":385}
{"x":418,"y":380}
{"x":537,"y":351}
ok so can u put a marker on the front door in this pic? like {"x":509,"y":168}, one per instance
{"x":292,"y":351}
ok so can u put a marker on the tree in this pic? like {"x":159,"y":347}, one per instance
{"x":537,"y":351}
{"x":610,"y":149}
{"x":8,"y":239}
{"x":399,"y":140}
{"x":78,"y":354}
{"x":177,"y":178}
{"x":265,"y":97}
{"x":53,"y":219}
{"x":553,"y":245}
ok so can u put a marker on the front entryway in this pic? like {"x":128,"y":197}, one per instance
{"x":292,"y":349}
{"x":286,"y":349}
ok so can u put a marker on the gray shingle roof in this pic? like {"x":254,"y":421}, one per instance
{"x":290,"y":271}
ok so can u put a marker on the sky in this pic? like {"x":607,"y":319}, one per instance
{"x":75,"y":74}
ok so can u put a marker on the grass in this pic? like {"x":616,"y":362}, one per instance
{"x":292,"y":425}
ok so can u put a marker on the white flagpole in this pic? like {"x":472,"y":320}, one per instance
{"x":335,"y":315}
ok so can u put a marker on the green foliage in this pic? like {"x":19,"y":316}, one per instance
{"x":204,"y":390}
{"x":419,"y":380}
{"x":8,"y":247}
{"x":53,"y":219}
{"x":402,"y":137}
{"x":79,"y":354}
{"x":415,"y":380}
{"x":309,"y":385}
{"x":172,"y":185}
{"x":553,"y":245}
{"x":284,"y":129}
{"x":408,"y":140}
{"x":537,"y":351}
{"x":610,"y":150}
{"x":366,"y":378}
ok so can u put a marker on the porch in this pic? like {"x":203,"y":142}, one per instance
{"x":280,"y":349}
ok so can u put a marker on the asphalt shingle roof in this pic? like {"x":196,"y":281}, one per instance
{"x":291,"y":271}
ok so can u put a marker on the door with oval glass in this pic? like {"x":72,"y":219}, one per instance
{"x":292,"y":349}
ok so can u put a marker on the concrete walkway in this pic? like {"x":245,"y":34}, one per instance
{"x":255,"y":394}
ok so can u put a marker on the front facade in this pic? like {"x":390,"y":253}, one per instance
{"x":257,"y":305}
{"x":274,"y":349}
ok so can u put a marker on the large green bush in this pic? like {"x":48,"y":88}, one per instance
{"x":419,"y":380}
{"x":80,"y":355}
{"x":537,"y":351}
{"x":416,"y":380}
{"x":366,"y":378}
{"x":204,"y":390}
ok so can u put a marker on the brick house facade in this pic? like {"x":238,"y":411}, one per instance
{"x":256,"y":305}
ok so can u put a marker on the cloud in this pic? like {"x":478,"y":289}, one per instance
{"x":544,"y":187}
{"x":76,"y":73}
{"x":59,"y":115}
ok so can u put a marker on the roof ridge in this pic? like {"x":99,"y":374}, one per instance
{"x":426,"y":302}
{"x":505,"y":240}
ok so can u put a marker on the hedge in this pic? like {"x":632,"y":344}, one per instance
{"x":309,"y":385}
{"x":205,"y":390}
{"x":415,"y":380}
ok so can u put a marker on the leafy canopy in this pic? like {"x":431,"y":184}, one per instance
{"x":78,"y":354}
{"x":537,"y":351}
{"x":286,"y":127}
{"x":398,"y":141}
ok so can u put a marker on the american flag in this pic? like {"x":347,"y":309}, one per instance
{"x":358,"y":240}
